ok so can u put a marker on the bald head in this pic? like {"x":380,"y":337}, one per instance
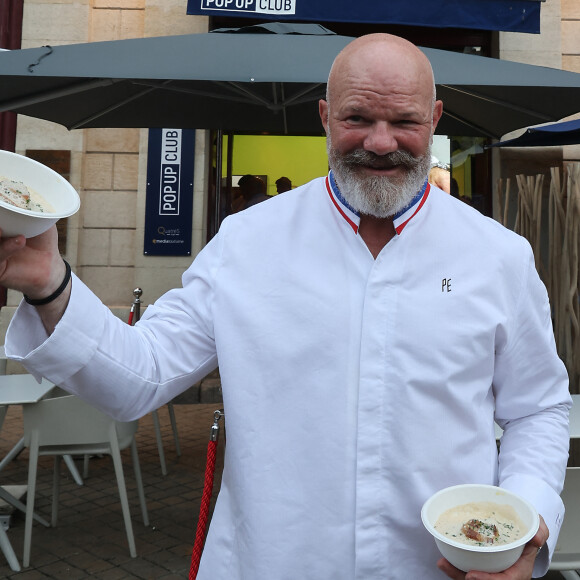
{"x":378,"y":54}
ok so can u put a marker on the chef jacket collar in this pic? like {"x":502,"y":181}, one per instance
{"x":351,"y":216}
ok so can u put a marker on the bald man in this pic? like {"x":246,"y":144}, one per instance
{"x":369,"y":330}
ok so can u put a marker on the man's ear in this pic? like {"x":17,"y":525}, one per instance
{"x":323,"y":112}
{"x":437,"y":112}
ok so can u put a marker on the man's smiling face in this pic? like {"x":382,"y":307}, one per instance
{"x":379,"y":119}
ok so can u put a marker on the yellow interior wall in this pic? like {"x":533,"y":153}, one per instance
{"x":298,"y":158}
{"x":462,"y":174}
{"x":459,"y":174}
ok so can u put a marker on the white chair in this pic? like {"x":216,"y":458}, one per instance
{"x":566,"y":558}
{"x":67,"y":425}
{"x":8,"y":552}
{"x":134,"y":316}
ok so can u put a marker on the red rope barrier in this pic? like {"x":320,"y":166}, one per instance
{"x":204,"y":510}
{"x":205,"y":498}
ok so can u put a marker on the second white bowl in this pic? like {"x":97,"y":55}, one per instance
{"x":489,"y":558}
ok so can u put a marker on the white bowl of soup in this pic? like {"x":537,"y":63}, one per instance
{"x":33,"y":197}
{"x":480,"y":527}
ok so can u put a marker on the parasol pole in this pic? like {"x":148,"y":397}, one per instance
{"x":499,"y":201}
{"x":507,"y":202}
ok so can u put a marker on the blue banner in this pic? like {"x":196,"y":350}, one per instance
{"x":505,"y":15}
{"x":169,"y":200}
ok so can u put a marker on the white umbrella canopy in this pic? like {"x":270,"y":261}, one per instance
{"x":263,"y":78}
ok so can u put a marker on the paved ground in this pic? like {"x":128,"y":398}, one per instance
{"x":90,"y":540}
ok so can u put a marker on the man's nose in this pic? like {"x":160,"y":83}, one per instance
{"x":380,"y":139}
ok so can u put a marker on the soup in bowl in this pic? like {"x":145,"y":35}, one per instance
{"x":480,"y":527}
{"x":33,"y":197}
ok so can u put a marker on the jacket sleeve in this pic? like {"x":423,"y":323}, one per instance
{"x":127,"y":371}
{"x":532,"y":406}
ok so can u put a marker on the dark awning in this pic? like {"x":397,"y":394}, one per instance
{"x":506,"y":15}
{"x":555,"y":134}
{"x":256,"y":82}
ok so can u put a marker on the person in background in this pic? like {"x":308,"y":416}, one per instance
{"x":454,"y":188}
{"x":440,"y":175}
{"x":252,"y":190}
{"x":283,"y":184}
{"x":369,"y":328}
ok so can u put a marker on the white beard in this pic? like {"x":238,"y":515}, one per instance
{"x":378,"y":196}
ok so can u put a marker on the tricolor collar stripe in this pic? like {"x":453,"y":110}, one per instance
{"x":353,"y":219}
{"x":350,"y":218}
{"x":402,"y":219}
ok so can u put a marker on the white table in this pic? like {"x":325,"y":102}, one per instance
{"x":575,"y":417}
{"x":17,"y":390}
{"x":22,"y":389}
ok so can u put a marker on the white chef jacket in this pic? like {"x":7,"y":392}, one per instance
{"x":353,"y":388}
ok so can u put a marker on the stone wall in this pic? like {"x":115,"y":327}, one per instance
{"x":543,"y":49}
{"x":571,"y":35}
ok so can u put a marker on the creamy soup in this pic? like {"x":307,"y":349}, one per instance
{"x":19,"y":195}
{"x":481,"y":524}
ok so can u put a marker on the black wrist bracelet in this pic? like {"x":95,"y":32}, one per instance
{"x":56,"y":293}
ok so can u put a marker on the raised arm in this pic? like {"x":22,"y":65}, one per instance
{"x":34,"y":267}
